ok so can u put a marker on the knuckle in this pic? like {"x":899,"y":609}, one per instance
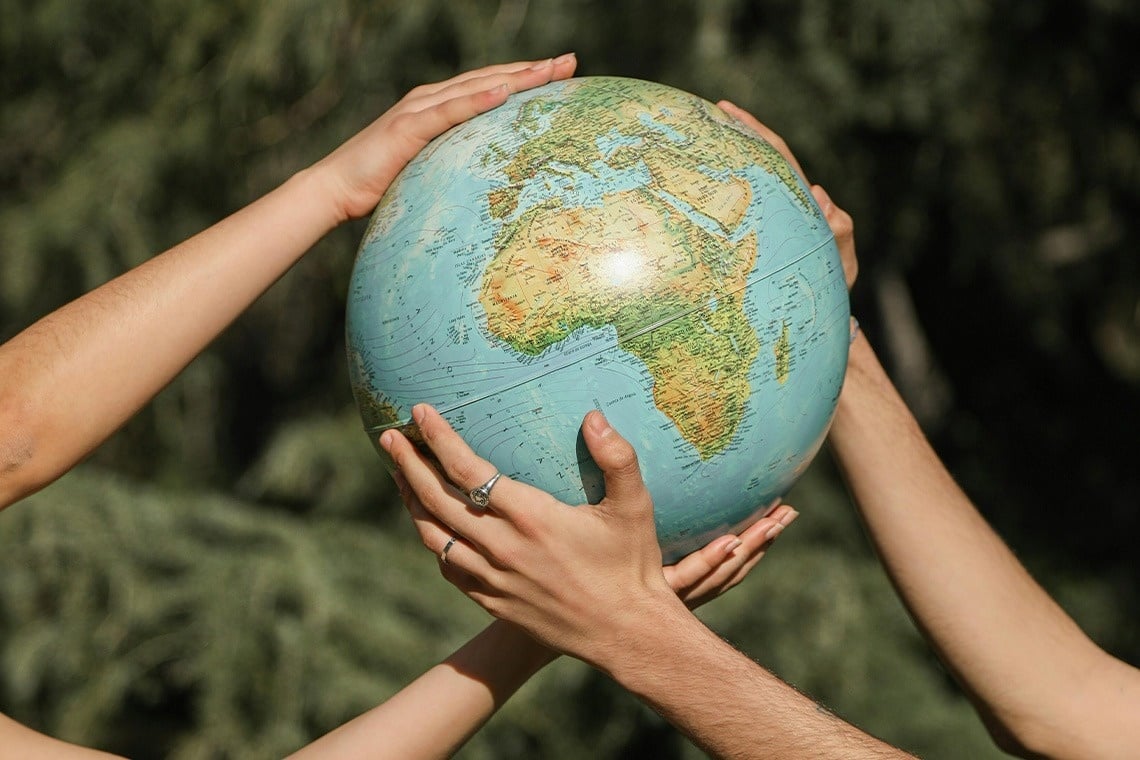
{"x":625,"y":459}
{"x":403,"y":122}
{"x":490,"y":603}
{"x":463,"y":473}
{"x":843,"y":223}
{"x":502,"y":557}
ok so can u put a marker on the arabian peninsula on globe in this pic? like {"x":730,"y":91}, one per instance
{"x":615,"y":244}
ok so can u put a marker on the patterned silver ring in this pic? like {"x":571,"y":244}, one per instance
{"x":446,"y":548}
{"x":481,"y":496}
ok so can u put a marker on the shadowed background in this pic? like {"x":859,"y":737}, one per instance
{"x":232,"y":575}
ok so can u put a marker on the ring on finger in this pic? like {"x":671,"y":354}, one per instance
{"x":446,"y":548}
{"x":481,"y":495}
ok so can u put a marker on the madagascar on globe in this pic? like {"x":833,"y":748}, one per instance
{"x":608,"y":243}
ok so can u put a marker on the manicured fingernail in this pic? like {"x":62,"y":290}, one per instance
{"x":418,"y":412}
{"x":598,"y":423}
{"x":731,"y":546}
{"x":785,"y":520}
{"x":542,"y":64}
{"x":565,"y":58}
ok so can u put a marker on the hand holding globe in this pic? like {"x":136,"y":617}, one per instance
{"x":610,"y":244}
{"x":567,"y":574}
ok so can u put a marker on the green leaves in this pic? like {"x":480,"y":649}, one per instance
{"x":232,"y":576}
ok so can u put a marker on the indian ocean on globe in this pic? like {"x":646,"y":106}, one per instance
{"x":608,"y":243}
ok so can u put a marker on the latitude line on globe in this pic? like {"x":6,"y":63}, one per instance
{"x":620,"y":338}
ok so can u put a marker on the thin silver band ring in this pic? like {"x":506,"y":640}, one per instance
{"x":446,"y":548}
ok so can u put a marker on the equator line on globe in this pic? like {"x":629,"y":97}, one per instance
{"x":615,"y":244}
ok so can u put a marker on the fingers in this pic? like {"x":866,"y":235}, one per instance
{"x":754,"y":544}
{"x":431,"y":491}
{"x":774,"y":139}
{"x":428,"y":114}
{"x":843,"y":227}
{"x":691,"y":569}
{"x":563,"y":66}
{"x":360,"y":170}
{"x":514,"y":77}
{"x":434,"y":534}
{"x":839,"y":220}
{"x":461,"y":563}
{"x":723,"y":563}
{"x":466,"y":470}
{"x":423,"y":123}
{"x":616,"y":459}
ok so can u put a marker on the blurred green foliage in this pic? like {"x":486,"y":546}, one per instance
{"x":231,"y":575}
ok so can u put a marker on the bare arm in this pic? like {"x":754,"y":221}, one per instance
{"x":465,"y":690}
{"x":1040,"y":684}
{"x":587,"y":581}
{"x":434,"y":715}
{"x":19,"y":741}
{"x":122,"y":342}
{"x":730,"y":706}
{"x":110,"y":351}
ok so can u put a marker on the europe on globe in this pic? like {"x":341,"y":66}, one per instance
{"x":608,"y":243}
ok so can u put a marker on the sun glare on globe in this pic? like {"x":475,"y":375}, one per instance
{"x":607,"y":243}
{"x":619,"y":267}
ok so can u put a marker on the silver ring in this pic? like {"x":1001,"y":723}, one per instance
{"x":481,"y":496}
{"x":446,"y":548}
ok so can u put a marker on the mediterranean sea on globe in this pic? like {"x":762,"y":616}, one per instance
{"x":614,"y":244}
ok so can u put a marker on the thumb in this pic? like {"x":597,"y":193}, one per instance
{"x":617,"y":461}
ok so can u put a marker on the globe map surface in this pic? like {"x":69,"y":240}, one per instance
{"x":614,"y":244}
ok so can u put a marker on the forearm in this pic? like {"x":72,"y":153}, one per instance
{"x":725,"y":703}
{"x":20,"y":741}
{"x":71,"y":379}
{"x":1026,"y":664}
{"x":435,"y":714}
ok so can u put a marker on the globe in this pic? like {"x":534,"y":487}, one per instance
{"x":615,"y":244}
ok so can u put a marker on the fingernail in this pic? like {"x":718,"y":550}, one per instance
{"x":542,"y":64}
{"x":565,"y":58}
{"x":785,"y":520}
{"x":598,"y":423}
{"x":731,"y":546}
{"x":386,"y":439}
{"x":418,"y":412}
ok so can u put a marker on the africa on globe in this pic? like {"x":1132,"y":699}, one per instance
{"x":615,"y":244}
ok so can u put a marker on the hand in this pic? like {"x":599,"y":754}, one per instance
{"x":359,"y":171}
{"x":725,"y":561}
{"x":565,"y":574}
{"x":839,"y":220}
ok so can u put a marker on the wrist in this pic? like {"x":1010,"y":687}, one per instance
{"x":507,"y":650}
{"x":317,"y":191}
{"x":657,"y":629}
{"x":530,"y":654}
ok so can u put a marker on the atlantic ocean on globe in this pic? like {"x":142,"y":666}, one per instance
{"x":614,"y":244}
